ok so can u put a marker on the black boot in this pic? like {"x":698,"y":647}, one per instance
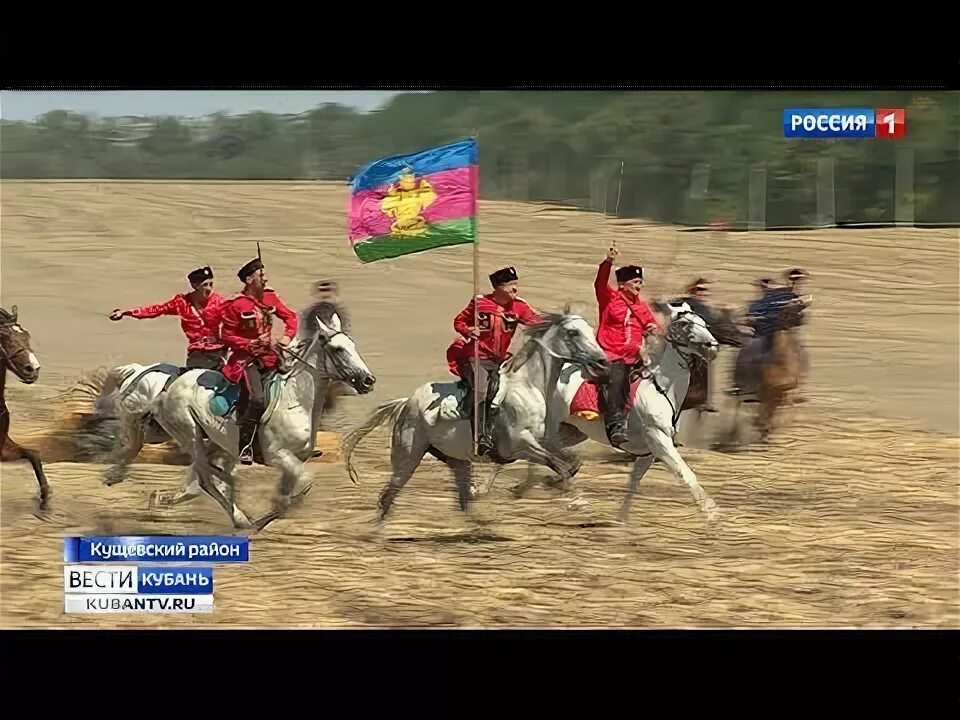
{"x":485,"y":441}
{"x":248,"y":429}
{"x":466,"y":402}
{"x":616,"y":427}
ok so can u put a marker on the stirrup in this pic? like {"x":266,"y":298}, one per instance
{"x":613,"y":429}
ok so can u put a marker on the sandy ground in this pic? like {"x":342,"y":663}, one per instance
{"x":849,"y":519}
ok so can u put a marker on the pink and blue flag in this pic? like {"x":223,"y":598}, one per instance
{"x":410,"y":203}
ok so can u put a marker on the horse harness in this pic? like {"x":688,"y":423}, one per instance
{"x":644,"y":373}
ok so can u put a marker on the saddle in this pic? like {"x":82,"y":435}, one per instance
{"x":226,"y":395}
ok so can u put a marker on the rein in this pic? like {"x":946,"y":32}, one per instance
{"x":302,"y":358}
{"x":7,"y":357}
{"x":685,"y":360}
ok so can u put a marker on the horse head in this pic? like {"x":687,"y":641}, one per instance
{"x":15,"y":349}
{"x":725,"y":328}
{"x":568,"y":337}
{"x":791,"y":313}
{"x":326,"y":334}
{"x":687,"y":331}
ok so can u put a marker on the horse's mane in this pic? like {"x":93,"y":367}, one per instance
{"x":661,"y":311}
{"x":533,"y":333}
{"x":325,"y":310}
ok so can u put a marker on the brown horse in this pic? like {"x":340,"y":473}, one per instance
{"x":767,"y":376}
{"x":724,"y":328}
{"x":17,"y":357}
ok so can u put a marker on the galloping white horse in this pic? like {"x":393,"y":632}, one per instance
{"x":123,"y":420}
{"x":191,"y":411}
{"x":654,"y":406}
{"x":430,"y":420}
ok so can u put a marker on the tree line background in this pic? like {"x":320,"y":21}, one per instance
{"x":686,"y":157}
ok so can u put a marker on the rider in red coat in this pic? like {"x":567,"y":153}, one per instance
{"x":247,"y":321}
{"x":199,"y":312}
{"x":499,"y":313}
{"x":625,"y":318}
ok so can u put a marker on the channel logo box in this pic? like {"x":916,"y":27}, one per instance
{"x":121,"y":588}
{"x":844,"y":122}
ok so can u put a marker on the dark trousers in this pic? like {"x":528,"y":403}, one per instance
{"x":488,"y":376}
{"x":251,"y":406}
{"x":488,"y":379}
{"x":254,"y":396}
{"x":613,"y":397}
{"x":207,"y":359}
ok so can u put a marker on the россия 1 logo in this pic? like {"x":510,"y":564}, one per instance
{"x":844,"y":122}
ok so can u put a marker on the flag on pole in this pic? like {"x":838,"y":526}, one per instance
{"x":410,"y":203}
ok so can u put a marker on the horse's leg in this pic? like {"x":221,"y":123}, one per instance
{"x":290,"y":467}
{"x":129,"y":444}
{"x":640,"y":467}
{"x":406,"y":453}
{"x":664,"y":450}
{"x":223,"y":492}
{"x":462,"y":476}
{"x":221,"y":469}
{"x":180,"y":426}
{"x":569,"y":436}
{"x":730,"y":439}
{"x":191,"y":489}
{"x":769,"y":400}
{"x":528,"y":448}
{"x":11,"y":452}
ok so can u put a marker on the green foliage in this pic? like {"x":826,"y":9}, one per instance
{"x":546,"y":146}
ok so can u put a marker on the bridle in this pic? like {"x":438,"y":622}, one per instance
{"x":681,"y":344}
{"x":5,"y":356}
{"x":553,"y":353}
{"x":324,"y":367}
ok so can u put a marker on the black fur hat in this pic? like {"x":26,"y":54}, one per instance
{"x":249,"y":269}
{"x":629,"y":272}
{"x":200,"y":274}
{"x":503,"y":276}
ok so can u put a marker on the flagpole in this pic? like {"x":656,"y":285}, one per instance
{"x":476,"y":317}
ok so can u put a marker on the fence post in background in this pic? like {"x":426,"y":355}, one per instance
{"x":599,"y":182}
{"x":699,"y":187}
{"x":519,"y":182}
{"x":826,"y":199}
{"x":905,"y":202}
{"x":757,"y":212}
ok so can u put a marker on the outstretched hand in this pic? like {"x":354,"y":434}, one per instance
{"x":117,"y":314}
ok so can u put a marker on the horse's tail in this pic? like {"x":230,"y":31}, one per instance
{"x":88,"y":413}
{"x":389,"y":412}
{"x":115,"y":378}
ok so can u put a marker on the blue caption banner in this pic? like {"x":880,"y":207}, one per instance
{"x":156,"y":548}
{"x":175,"y":581}
{"x":829,"y":123}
